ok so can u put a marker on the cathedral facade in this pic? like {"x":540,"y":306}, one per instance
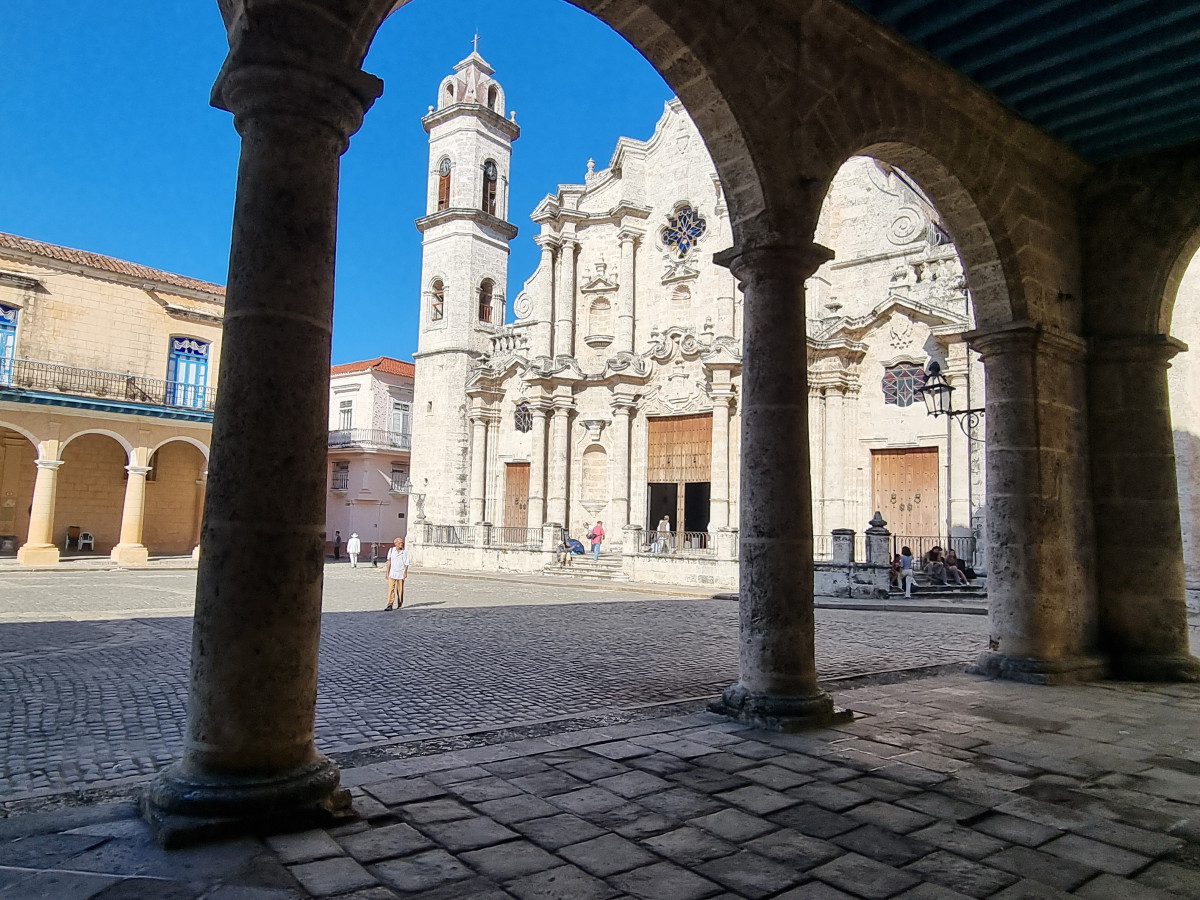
{"x":611,"y":391}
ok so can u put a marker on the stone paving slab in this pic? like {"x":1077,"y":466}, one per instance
{"x":93,"y":665}
{"x":871,"y":831}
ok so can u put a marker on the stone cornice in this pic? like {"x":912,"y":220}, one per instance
{"x":504,"y":229}
{"x":507,"y":127}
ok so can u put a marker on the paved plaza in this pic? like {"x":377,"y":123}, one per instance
{"x":93,"y":664}
{"x":943,"y":788}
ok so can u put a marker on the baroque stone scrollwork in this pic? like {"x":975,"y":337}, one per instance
{"x":679,"y":341}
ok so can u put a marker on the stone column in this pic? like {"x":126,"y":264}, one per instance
{"x":39,"y":548}
{"x":249,"y":761}
{"x":1041,"y":588}
{"x":718,"y":502}
{"x":622,"y":410}
{"x":536,"y":513}
{"x":564,"y":300}
{"x":478,"y":467}
{"x":626,"y":292}
{"x":958,"y":453}
{"x":816,"y":432}
{"x":777,"y":685}
{"x":1139,"y":546}
{"x":491,"y":489}
{"x":201,"y":486}
{"x":835,"y":457}
{"x":130,"y":551}
{"x":542,"y":333}
{"x":556,"y":488}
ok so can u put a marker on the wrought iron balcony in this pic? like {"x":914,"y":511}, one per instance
{"x":369,"y":439}
{"x":33,"y":375}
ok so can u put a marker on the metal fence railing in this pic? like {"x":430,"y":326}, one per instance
{"x":371,"y":438}
{"x":964,"y":547}
{"x":696,"y":543}
{"x":450,"y":535}
{"x":400,"y":483}
{"x":515,"y":536}
{"x":340,"y":480}
{"x":35,"y":375}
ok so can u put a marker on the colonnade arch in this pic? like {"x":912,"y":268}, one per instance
{"x":780,"y":97}
{"x":18,"y":451}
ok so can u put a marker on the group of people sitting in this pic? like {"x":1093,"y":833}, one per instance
{"x":942,"y":566}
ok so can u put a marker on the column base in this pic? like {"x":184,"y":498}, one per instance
{"x":779,"y":713}
{"x":1154,"y":667}
{"x":1031,"y":670}
{"x":34,"y":555}
{"x":130,"y":555}
{"x":184,"y":808}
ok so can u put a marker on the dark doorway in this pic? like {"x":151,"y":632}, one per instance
{"x":695,"y":506}
{"x":664,"y":501}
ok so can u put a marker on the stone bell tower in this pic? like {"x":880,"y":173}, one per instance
{"x":464,"y":266}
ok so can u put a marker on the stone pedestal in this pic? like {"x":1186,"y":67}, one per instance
{"x":843,"y":546}
{"x":1139,"y":560}
{"x":1041,"y":583}
{"x":727,"y":543}
{"x":777,"y":684}
{"x":879,"y":542}
{"x":249,"y":762}
{"x":39,"y":548}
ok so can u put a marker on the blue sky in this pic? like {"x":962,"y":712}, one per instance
{"x":108,"y":143}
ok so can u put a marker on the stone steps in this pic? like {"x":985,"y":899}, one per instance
{"x":607,"y":568}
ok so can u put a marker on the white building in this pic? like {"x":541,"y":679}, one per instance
{"x":370,"y":432}
{"x":614,"y":393}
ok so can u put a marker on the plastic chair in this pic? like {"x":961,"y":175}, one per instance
{"x":73,"y":532}
{"x":86,"y":541}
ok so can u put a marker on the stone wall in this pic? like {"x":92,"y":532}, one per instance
{"x":91,"y":490}
{"x":173,"y":499}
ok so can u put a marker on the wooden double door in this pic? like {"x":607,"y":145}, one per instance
{"x":905,"y":485}
{"x":516,"y":495}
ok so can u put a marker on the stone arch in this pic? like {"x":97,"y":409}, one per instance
{"x":25,"y":433}
{"x":993,"y":276}
{"x":195,"y":442}
{"x":18,"y":451}
{"x":91,"y":487}
{"x":116,"y":436}
{"x":174,"y":497}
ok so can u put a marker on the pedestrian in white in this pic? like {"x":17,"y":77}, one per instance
{"x":353,"y":548}
{"x":396,"y":571}
{"x":907,"y":578}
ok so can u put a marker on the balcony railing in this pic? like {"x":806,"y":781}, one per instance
{"x":401,"y":483}
{"x":34,"y":375}
{"x":369,"y":439}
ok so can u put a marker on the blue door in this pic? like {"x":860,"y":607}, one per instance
{"x":8,"y":342}
{"x":187,"y":374}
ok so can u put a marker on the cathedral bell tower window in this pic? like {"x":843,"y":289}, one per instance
{"x":485,"y":300}
{"x":489,"y":187}
{"x":901,"y":383}
{"x":437,"y":301}
{"x":443,"y":195}
{"x":683,"y":231}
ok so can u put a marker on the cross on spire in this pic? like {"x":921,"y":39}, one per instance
{"x":475,"y":49}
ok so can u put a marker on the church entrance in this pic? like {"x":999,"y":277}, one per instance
{"x":906,"y":489}
{"x":516,"y":495}
{"x":678,"y":466}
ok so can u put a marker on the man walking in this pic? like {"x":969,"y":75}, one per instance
{"x":396,"y":571}
{"x":597,"y":536}
{"x":353,"y":548}
{"x":337,"y":546}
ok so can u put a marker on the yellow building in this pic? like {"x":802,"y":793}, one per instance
{"x":107,"y":377}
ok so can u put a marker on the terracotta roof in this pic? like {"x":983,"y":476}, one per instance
{"x":382,"y":363}
{"x":106,"y":263}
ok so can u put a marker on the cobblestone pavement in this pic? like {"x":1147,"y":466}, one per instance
{"x":93,"y":666}
{"x":943,"y":788}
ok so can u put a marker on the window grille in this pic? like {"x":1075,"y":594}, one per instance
{"x":485,"y":300}
{"x":437,"y":304}
{"x":683,"y":231}
{"x":345,"y":415}
{"x":901,"y":383}
{"x":523,"y":418}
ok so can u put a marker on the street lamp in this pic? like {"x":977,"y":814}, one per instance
{"x":936,"y":393}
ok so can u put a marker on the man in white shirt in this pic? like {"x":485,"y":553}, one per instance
{"x":396,"y":571}
{"x":353,"y":548}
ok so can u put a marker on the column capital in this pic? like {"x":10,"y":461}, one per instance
{"x":48,"y":463}
{"x":139,"y":470}
{"x":562,"y":406}
{"x":1026,"y":337}
{"x":627,"y":234}
{"x":795,"y":260}
{"x":1151,"y":349}
{"x":568,"y":243}
{"x":274,"y":83}
{"x":623,"y":406}
{"x":547,"y":242}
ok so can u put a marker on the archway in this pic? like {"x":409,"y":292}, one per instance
{"x":174,"y":499}
{"x":91,"y":490}
{"x":1183,"y":384}
{"x":17,"y":472}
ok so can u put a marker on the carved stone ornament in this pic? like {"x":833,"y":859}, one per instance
{"x":900,"y":332}
{"x":679,"y":341}
{"x":908,"y":227}
{"x":523,"y":305}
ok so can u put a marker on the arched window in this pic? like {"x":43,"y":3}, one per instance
{"x":523,"y":418}
{"x":449,"y":93}
{"x":443,"y":200}
{"x":489,"y":187}
{"x":901,"y":382}
{"x":493,"y":96}
{"x":437,"y":301}
{"x":486,"y":288}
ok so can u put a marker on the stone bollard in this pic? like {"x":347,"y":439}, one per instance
{"x":483,"y":534}
{"x":879,"y":542}
{"x":551,"y":532}
{"x":843,"y":546}
{"x":727,"y":543}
